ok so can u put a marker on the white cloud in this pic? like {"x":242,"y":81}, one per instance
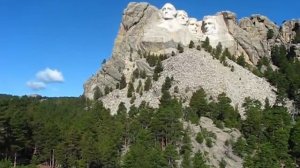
{"x":50,"y":76}
{"x":36,"y":85}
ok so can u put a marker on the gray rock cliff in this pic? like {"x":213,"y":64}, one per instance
{"x":145,"y":29}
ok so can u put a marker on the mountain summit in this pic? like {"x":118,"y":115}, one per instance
{"x":147,"y":31}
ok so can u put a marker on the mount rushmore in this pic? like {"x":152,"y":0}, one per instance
{"x":147,"y":29}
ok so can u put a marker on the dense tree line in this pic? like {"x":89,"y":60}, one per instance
{"x":269,"y":137}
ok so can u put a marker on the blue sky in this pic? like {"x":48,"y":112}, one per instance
{"x":61,"y":43}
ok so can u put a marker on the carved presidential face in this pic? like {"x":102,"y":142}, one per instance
{"x":182,"y":17}
{"x":192,"y":25}
{"x":168,"y":11}
{"x":199,"y":25}
{"x":210,"y":25}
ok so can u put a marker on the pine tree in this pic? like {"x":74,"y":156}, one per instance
{"x":139,"y":87}
{"x":297,"y":30}
{"x":159,"y":67}
{"x":143,"y":74}
{"x":167,"y":85}
{"x":192,"y":44}
{"x":106,"y":90}
{"x":199,"y":103}
{"x":180,"y":48}
{"x":130,"y":89}
{"x":241,"y":60}
{"x":148,"y":84}
{"x":97,"y":93}
{"x":136,"y":73}
{"x":198,"y":161}
{"x":218,"y":50}
{"x":206,"y":45}
{"x":270,"y":34}
{"x":173,"y":54}
{"x":123,"y":83}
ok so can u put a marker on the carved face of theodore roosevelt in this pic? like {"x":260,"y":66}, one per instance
{"x":182,"y":17}
{"x":168,"y":11}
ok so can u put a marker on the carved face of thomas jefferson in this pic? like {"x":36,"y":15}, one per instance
{"x":168,"y":11}
{"x":182,"y":17}
{"x":192,"y":25}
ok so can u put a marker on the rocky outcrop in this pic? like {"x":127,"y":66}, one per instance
{"x":289,"y":29}
{"x":251,"y":35}
{"x":146,"y":29}
{"x":194,"y":69}
{"x":221,"y":148}
{"x":135,"y":17}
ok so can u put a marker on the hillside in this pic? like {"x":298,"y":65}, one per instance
{"x":176,"y":92}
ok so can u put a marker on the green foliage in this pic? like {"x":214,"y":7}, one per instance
{"x":297,"y":30}
{"x":206,"y":45}
{"x":186,"y":150}
{"x":97,"y":93}
{"x":136,"y":73}
{"x":286,"y":79}
{"x":218,"y":50}
{"x":139,"y":87}
{"x":159,"y":67}
{"x":143,"y":74}
{"x":240,"y":147}
{"x":180,"y":48}
{"x":198,"y":161}
{"x":167,"y":84}
{"x":155,"y":76}
{"x":271,"y":127}
{"x":220,"y":111}
{"x":130,"y":90}
{"x":199,"y":138}
{"x":171,"y":155}
{"x":226,"y":113}
{"x":173,"y":54}
{"x":137,"y":157}
{"x":209,"y":142}
{"x":227,"y":54}
{"x":157,"y":70}
{"x":123,"y":83}
{"x":263,"y":61}
{"x":241,"y":60}
{"x":198,"y":47}
{"x":270,"y":34}
{"x":82,"y":133}
{"x":199,"y":103}
{"x":5,"y":164}
{"x":122,"y":109}
{"x":192,"y":44}
{"x":295,"y":140}
{"x":222,"y":163}
{"x":153,"y":59}
{"x":106,"y":90}
{"x":148,"y":84}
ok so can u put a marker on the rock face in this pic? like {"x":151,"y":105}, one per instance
{"x":219,"y":150}
{"x":194,"y":69}
{"x":147,"y":29}
{"x":289,"y":29}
